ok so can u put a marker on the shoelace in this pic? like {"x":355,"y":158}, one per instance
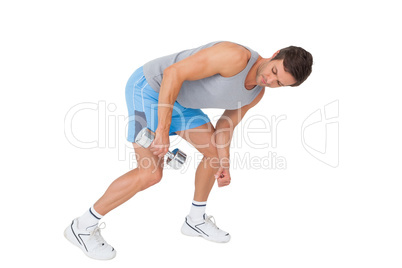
{"x":96,"y":234}
{"x":211,"y":220}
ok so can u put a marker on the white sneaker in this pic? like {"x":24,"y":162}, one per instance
{"x":206,"y":229}
{"x":90,"y":241}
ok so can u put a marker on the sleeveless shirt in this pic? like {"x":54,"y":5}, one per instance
{"x":211,"y":92}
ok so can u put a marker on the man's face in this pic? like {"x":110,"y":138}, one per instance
{"x":272,"y":74}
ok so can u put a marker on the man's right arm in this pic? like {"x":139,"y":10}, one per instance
{"x":223,"y":58}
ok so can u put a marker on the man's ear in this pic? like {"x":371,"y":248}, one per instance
{"x":276,"y":53}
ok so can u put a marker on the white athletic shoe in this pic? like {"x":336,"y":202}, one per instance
{"x":206,"y":229}
{"x":90,"y":242}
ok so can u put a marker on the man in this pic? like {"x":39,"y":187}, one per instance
{"x":166,"y":95}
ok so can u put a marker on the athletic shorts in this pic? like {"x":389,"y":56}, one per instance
{"x":142,"y":105}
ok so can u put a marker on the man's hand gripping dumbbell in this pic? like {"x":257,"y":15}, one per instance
{"x":175,"y":159}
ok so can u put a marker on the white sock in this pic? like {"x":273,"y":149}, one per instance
{"x":197,"y":211}
{"x":89,"y":219}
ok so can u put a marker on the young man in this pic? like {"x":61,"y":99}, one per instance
{"x":166,"y":95}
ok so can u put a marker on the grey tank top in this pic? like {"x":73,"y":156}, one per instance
{"x":211,"y":92}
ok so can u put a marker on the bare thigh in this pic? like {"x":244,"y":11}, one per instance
{"x":202,"y":138}
{"x":147,"y":162}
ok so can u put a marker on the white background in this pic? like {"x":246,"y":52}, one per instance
{"x":57,"y":54}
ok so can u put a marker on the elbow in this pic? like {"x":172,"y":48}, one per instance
{"x":171,"y":84}
{"x":172,"y":77}
{"x":170,"y":72}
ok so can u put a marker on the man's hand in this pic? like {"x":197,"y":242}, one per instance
{"x":160,"y":145}
{"x":223,"y":177}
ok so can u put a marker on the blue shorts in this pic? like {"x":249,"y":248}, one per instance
{"x":142,"y":105}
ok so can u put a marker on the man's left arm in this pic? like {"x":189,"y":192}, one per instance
{"x":223,"y":136}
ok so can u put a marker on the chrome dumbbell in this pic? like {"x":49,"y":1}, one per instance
{"x":175,"y":159}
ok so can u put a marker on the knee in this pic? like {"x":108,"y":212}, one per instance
{"x":210,"y":153}
{"x":211,"y":158}
{"x":152,"y":178}
{"x":155,"y":177}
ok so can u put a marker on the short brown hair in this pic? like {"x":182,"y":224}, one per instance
{"x":296,"y":61}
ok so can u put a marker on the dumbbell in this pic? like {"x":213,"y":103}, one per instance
{"x":175,"y":159}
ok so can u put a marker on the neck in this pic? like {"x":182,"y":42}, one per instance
{"x":251,"y":79}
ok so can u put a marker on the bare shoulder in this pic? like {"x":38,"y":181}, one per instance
{"x":224,"y":58}
{"x":233,"y":47}
{"x":235,"y":58}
